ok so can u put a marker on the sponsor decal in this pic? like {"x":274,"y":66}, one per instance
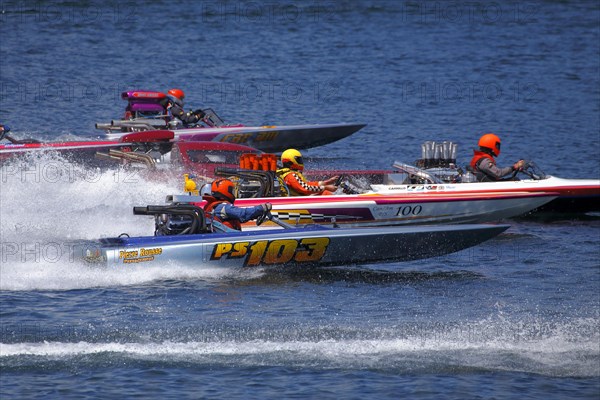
{"x":141,"y":255}
{"x":239,"y":138}
{"x":266,"y":136}
{"x":423,"y":188}
{"x":243,"y":138}
{"x":269,"y":252}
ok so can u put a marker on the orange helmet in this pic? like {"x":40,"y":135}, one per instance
{"x":177,"y":93}
{"x":222,"y":189}
{"x":292,"y":158}
{"x":491,"y":142}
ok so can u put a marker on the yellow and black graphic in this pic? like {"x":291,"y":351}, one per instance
{"x":141,"y":255}
{"x":270,"y":252}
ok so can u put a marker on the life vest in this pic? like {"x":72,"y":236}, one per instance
{"x":283,"y":187}
{"x":478,"y":157}
{"x":208,"y":211}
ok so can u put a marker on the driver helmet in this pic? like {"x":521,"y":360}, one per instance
{"x":490,"y":142}
{"x":222,"y":189}
{"x":206,"y":190}
{"x":292,"y":159}
{"x":178,"y":93}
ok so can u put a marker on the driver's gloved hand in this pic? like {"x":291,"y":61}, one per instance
{"x":199,"y":113}
{"x":519,"y":165}
{"x":266,"y":207}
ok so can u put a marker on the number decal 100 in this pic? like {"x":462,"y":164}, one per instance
{"x":409,"y":210}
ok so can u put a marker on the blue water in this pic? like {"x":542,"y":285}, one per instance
{"x":516,"y":317}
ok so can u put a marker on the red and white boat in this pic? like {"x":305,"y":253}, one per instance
{"x":436,"y":173}
{"x":573,"y":195}
{"x":369,"y":208}
{"x":153,"y":149}
{"x":379,"y":209}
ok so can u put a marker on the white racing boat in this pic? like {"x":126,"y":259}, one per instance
{"x":438,"y":175}
{"x":214,"y":245}
{"x":572,"y":195}
{"x":389,"y":209}
{"x":371,"y":208}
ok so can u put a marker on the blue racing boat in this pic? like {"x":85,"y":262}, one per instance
{"x":212,"y":244}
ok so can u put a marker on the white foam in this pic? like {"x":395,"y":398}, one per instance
{"x":47,"y":202}
{"x":554,"y":354}
{"x":567,"y":349}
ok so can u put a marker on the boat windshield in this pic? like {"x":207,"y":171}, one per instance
{"x":212,"y":119}
{"x":534,"y":172}
{"x":213,"y":156}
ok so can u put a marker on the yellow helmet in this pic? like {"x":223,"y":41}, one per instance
{"x":292,"y":158}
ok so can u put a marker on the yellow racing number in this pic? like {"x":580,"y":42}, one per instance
{"x":220,"y":250}
{"x":280,"y":251}
{"x":273,"y":252}
{"x":256,"y":253}
{"x":239,"y":249}
{"x":315,"y":249}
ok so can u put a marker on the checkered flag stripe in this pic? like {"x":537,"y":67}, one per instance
{"x":296,"y":215}
{"x":308,"y":217}
{"x":305,"y":185}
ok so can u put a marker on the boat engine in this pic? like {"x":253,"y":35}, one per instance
{"x":177,"y":219}
{"x":439,"y":159}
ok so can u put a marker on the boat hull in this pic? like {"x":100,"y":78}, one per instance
{"x":80,"y":151}
{"x":572,"y":195}
{"x":308,"y":246}
{"x":392,"y":210}
{"x":267,"y":138}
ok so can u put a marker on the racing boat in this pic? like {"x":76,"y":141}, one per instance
{"x":160,"y":142}
{"x":213,"y":245}
{"x":436,"y":194}
{"x":375,"y":209}
{"x":266,"y":138}
{"x":146,"y":124}
{"x":83,"y":150}
{"x":572,"y":195}
{"x":149,"y":149}
{"x":145,"y":112}
{"x":370,"y":208}
{"x":436,"y":172}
